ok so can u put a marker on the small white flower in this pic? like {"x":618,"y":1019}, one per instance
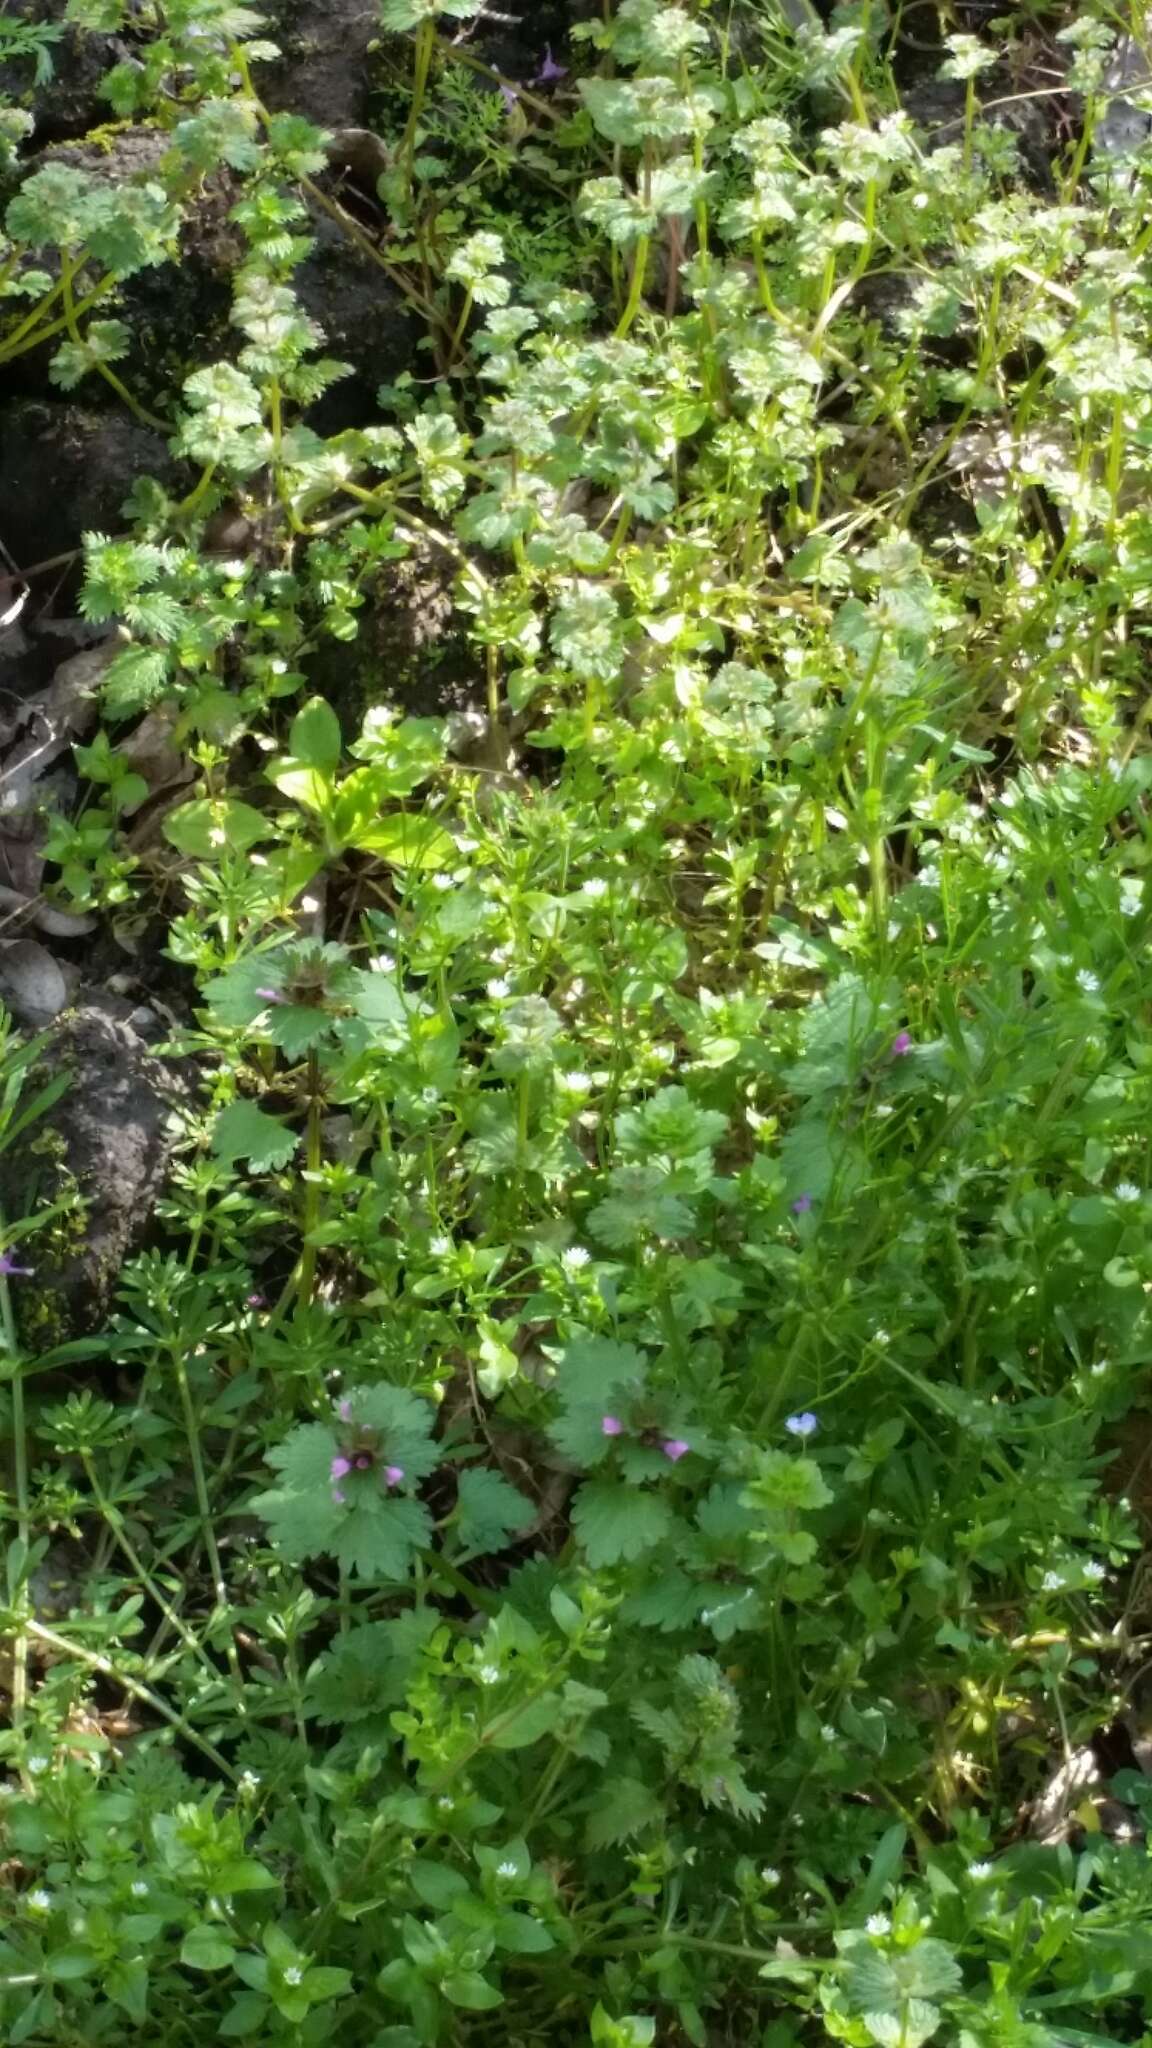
{"x":1052,"y":1582}
{"x":440,"y":1247}
{"x":443,"y":883}
{"x":39,"y":1902}
{"x":249,"y":1781}
{"x":38,"y":1764}
{"x":980,"y":1872}
{"x":497,"y":988}
{"x":1088,"y":981}
{"x":769,"y":1875}
{"x":1127,"y":1191}
{"x":489,"y":1674}
{"x":575,"y":1257}
{"x":293,"y":1974}
{"x":138,"y":1888}
{"x":595,"y":887}
{"x":506,"y":1870}
{"x":878,"y":1923}
{"x":445,"y":1804}
{"x":828,"y":1733}
{"x":381,"y":963}
{"x":429,"y":1095}
{"x":1099,"y":1369}
{"x":574,"y":1083}
{"x":1095,"y":1571}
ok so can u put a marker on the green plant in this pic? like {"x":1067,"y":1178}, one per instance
{"x":596,"y":1506}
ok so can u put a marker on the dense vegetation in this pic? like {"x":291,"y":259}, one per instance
{"x":592,"y":1516}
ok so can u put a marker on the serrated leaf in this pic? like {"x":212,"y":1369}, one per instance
{"x":245,"y":1131}
{"x":134,"y":680}
{"x":490,"y":1510}
{"x":626,"y":1807}
{"x":615,"y":1522}
{"x":915,"y":2023}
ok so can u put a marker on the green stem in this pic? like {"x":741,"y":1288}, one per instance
{"x":8,"y":1337}
{"x":314,"y":1148}
{"x":636,"y":287}
{"x":422,"y":64}
{"x":94,"y":1662}
{"x":203,"y":1501}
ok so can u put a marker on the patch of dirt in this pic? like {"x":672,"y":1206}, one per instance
{"x":107,"y":1139}
{"x":410,"y":649}
{"x":69,"y":104}
{"x":365,"y":324}
{"x":325,"y":67}
{"x":65,"y":471}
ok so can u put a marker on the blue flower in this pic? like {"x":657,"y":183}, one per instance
{"x":802,"y":1425}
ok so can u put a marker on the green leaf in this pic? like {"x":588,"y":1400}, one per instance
{"x":207,"y":1948}
{"x":315,"y":740}
{"x":134,"y":680}
{"x":522,"y":1726}
{"x":470,"y":1990}
{"x":202,"y":829}
{"x":915,"y":2023}
{"x":245,"y":1131}
{"x":520,"y":1935}
{"x":490,"y":1511}
{"x":409,"y":841}
{"x":616,"y":1522}
{"x":623,"y":1809}
{"x":437,"y":1884}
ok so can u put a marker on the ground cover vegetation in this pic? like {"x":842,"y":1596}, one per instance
{"x":588,"y":1512}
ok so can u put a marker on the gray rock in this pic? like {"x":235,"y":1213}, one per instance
{"x":1125,"y":123}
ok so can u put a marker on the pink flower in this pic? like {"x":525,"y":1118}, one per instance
{"x":271,"y":995}
{"x":339,"y":1468}
{"x":344,"y":1410}
{"x":611,"y":1425}
{"x":901,"y":1044}
{"x":393,"y":1474}
{"x":675,"y":1448}
{"x":256,"y":1301}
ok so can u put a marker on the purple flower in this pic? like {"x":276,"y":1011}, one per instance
{"x":338,"y":1497}
{"x":550,"y":70}
{"x":510,"y":97}
{"x":801,"y":1205}
{"x":802,"y":1425}
{"x":675,"y":1448}
{"x":393,"y":1474}
{"x":901,"y":1044}
{"x":271,"y":995}
{"x":344,"y":1409}
{"x":10,"y":1269}
{"x":611,"y":1425}
{"x":256,"y":1301}
{"x":339,"y":1468}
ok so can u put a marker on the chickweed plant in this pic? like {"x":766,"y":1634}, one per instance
{"x":591,"y":1519}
